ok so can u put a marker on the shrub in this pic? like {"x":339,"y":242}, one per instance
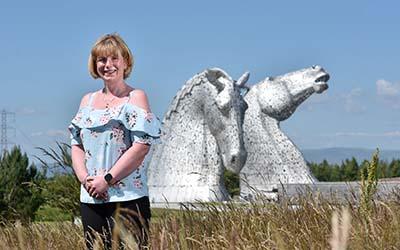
{"x":19,"y":193}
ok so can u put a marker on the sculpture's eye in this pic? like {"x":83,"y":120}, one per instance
{"x":271,"y":78}
{"x":316,"y":67}
{"x":224,"y":104}
{"x":245,"y":106}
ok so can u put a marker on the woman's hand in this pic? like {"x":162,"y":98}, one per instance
{"x":97,"y":187}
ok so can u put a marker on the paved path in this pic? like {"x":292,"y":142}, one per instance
{"x":340,"y":191}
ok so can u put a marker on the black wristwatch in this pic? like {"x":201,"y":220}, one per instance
{"x":108,"y":178}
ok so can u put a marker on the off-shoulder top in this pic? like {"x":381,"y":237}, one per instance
{"x":105,"y":135}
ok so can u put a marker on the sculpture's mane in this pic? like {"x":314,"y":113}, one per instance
{"x":183,"y":93}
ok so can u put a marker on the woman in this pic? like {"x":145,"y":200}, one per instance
{"x":110,"y":137}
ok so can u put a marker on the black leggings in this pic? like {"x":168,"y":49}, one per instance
{"x":100,"y":218}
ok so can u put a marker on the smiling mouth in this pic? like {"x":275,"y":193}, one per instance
{"x":108,"y":72}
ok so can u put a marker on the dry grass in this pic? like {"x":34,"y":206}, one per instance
{"x":312,"y":223}
{"x":51,"y":235}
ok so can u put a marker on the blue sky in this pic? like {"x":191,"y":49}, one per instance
{"x":45,"y":47}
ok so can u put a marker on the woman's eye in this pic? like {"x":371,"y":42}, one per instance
{"x":100,"y":59}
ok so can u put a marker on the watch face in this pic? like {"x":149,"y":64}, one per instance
{"x":108,"y":177}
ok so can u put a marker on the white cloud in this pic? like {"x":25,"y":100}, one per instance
{"x":34,"y":134}
{"x":389,"y":93}
{"x":387,"y":89}
{"x":351,"y":134}
{"x":51,"y":133}
{"x":56,"y":133}
{"x":26,"y":111}
{"x":392,"y":134}
{"x":356,"y":92}
{"x":351,"y":101}
{"x":352,"y":104}
{"x":315,"y":100}
{"x":363,"y":134}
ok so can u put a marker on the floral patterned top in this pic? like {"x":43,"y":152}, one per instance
{"x":105,"y":135}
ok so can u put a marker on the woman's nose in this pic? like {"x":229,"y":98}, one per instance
{"x":108,"y":62}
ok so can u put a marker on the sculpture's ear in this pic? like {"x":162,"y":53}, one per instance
{"x":224,"y":98}
{"x":243,"y":79}
{"x":218,"y":78}
{"x":224,"y":85}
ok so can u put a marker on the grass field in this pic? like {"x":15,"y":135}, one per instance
{"x":307,"y":222}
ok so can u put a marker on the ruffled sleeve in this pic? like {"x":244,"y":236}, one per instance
{"x":75,"y":135}
{"x":144,"y":127}
{"x":75,"y":130}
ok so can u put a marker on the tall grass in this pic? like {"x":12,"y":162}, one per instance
{"x":369,"y":184}
{"x":309,"y":222}
{"x":44,"y":235}
{"x":306,"y":225}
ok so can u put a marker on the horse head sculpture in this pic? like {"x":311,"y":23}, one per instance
{"x":225,"y":122}
{"x":272,"y":158}
{"x":279,"y":96}
{"x":202,"y":133}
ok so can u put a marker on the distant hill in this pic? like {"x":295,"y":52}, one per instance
{"x":337,"y":155}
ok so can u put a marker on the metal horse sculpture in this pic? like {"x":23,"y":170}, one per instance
{"x":202,"y":133}
{"x":272,"y":158}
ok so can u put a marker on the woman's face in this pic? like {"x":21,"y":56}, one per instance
{"x":111,"y":68}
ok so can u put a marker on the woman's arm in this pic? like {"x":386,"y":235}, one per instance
{"x":125,"y":165}
{"x":135,"y":155}
{"x":78,"y":163}
{"x":129,"y":161}
{"x":78,"y":152}
{"x":78,"y":158}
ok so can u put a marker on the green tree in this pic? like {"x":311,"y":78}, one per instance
{"x":321,"y":171}
{"x":350,"y":170}
{"x":326,"y":170}
{"x":394,"y":167}
{"x":61,"y":191}
{"x":20,"y":196}
{"x":314,"y":169}
{"x":335,"y":173}
{"x":232,"y":182}
{"x":383,"y":170}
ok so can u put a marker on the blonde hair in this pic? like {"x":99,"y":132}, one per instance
{"x":110,"y":45}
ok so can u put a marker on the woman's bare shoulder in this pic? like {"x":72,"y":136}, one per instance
{"x":85,"y":100}
{"x":139,"y":98}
